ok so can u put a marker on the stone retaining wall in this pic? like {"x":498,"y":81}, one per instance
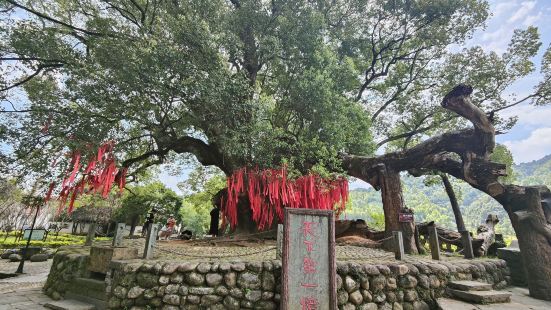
{"x":255,"y":285}
{"x":514,"y":262}
{"x":66,"y":267}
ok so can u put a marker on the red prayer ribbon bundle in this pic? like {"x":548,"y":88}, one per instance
{"x":270,"y":191}
{"x":99,"y":175}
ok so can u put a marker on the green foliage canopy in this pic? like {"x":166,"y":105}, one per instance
{"x":140,"y":199}
{"x":244,"y":82}
{"x":202,"y":186}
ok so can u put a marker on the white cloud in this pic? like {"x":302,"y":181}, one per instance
{"x":530,"y":115}
{"x":498,"y":40}
{"x":523,"y":12}
{"x":532,"y":19}
{"x":507,"y":16}
{"x":537,"y":145}
{"x":503,"y":7}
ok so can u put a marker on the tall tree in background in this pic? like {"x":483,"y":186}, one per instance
{"x":201,"y":190}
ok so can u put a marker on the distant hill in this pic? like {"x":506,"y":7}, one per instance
{"x":432,"y":203}
{"x":527,"y":169}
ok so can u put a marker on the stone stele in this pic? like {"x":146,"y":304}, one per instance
{"x":308,"y":260}
{"x":100,"y":257}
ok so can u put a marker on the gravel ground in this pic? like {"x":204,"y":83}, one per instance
{"x":256,"y":251}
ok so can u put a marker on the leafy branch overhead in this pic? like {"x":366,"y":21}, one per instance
{"x":243,"y":82}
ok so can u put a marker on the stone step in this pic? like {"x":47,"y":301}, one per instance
{"x":69,"y":304}
{"x":98,"y":285}
{"x":80,"y":291}
{"x":100,"y":304}
{"x":454,"y":304}
{"x":480,"y":297}
{"x":470,"y":286}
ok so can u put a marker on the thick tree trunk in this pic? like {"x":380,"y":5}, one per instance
{"x":245,"y":223}
{"x":531,"y":227}
{"x":453,"y":201}
{"x":393,"y":205}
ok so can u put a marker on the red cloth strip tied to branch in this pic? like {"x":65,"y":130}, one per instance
{"x":99,"y":175}
{"x":270,"y":191}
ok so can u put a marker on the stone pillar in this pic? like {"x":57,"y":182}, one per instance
{"x":467,"y":244}
{"x":91,"y":234}
{"x":513,"y":258}
{"x":119,"y":232}
{"x":433,"y":242}
{"x":398,"y":245}
{"x":150,"y":241}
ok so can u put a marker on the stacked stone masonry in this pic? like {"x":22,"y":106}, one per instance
{"x":66,"y":267}
{"x":256,"y":285}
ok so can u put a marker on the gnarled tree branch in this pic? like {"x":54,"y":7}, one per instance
{"x":205,"y":153}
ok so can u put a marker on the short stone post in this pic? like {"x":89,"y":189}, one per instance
{"x":150,"y":241}
{"x":398,"y":245}
{"x":91,"y":234}
{"x":433,"y":242}
{"x":467,"y":244}
{"x":117,"y":238}
{"x":279,"y":241}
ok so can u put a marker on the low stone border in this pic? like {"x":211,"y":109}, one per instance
{"x":238,"y":285}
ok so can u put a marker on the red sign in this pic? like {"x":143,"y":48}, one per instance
{"x":405,"y":217}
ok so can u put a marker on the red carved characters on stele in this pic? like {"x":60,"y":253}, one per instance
{"x":309,"y":265}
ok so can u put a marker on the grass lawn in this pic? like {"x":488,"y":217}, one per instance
{"x":51,"y":242}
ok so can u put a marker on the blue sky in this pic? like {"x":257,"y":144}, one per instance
{"x":530,"y":139}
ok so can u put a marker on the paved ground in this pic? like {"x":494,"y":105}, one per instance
{"x":24,"y":299}
{"x":24,"y":291}
{"x":519,"y":301}
{"x":34,"y":277}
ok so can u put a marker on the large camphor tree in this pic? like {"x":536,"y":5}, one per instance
{"x":248,"y":83}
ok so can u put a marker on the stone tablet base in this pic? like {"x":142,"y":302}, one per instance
{"x":100,"y":257}
{"x":137,"y":284}
{"x":514,"y":262}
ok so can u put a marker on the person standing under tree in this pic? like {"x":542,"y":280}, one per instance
{"x":214,"y":219}
{"x":170,"y":224}
{"x":168,"y":230}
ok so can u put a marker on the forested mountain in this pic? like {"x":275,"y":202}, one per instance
{"x":426,"y":196}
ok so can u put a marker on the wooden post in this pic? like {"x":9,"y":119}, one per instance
{"x":398,"y":245}
{"x":117,"y":238}
{"x":279,"y":241}
{"x":433,"y":242}
{"x":467,"y":244}
{"x":24,"y":251}
{"x":150,"y":241}
{"x":91,"y":234}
